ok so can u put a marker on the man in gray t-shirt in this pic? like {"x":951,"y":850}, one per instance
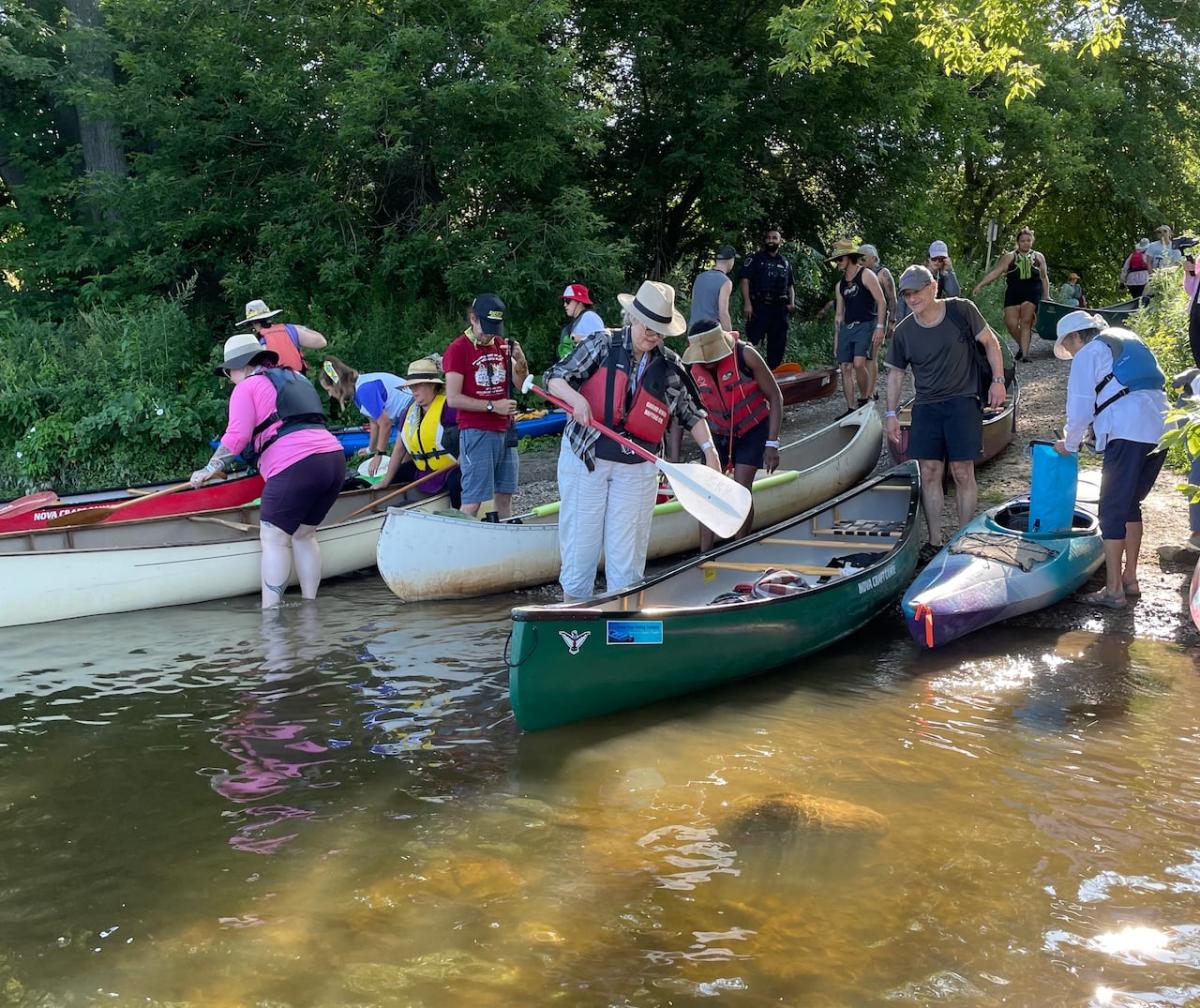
{"x":937,"y":341}
{"x":711,"y":290}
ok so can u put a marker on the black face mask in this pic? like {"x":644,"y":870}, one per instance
{"x":772,"y":246}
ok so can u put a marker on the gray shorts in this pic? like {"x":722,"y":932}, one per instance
{"x":488,"y":468}
{"x":854,"y":340}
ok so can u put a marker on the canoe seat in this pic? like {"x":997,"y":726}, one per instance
{"x":798,"y":568}
{"x":863,"y":527}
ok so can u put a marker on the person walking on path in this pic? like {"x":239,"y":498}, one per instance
{"x":938,"y":263}
{"x":1162,"y":250}
{"x":380,"y":396}
{"x":743,"y":402}
{"x":1127,"y":419}
{"x":581,"y":322}
{"x":887,"y":284}
{"x":1137,"y":269}
{"x":1070,"y":292}
{"x":635,"y":385}
{"x":481,"y":369}
{"x":938,"y":342}
{"x":859,"y":321}
{"x":275,"y":416}
{"x":711,"y":290}
{"x":768,"y":297}
{"x":1027,"y":280}
{"x":287,"y":340}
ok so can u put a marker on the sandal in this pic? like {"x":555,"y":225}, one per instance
{"x":1105,"y":599}
{"x":1132,"y":589}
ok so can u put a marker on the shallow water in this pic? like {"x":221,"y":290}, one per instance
{"x":332,"y":807}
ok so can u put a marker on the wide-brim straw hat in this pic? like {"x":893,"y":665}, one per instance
{"x":707,"y":343}
{"x":423,"y":370}
{"x":244,"y":349}
{"x":843,"y":247}
{"x":257,"y":311}
{"x":654,"y":306}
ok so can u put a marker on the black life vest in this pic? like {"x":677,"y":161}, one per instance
{"x":297,"y":405}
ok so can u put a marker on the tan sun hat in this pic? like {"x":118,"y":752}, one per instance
{"x":654,"y":305}
{"x":257,"y":311}
{"x":423,"y":370}
{"x":844,"y":247}
{"x":243,"y":349}
{"x":707,"y":343}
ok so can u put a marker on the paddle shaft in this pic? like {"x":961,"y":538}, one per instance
{"x":371,"y":505}
{"x":90,"y":516}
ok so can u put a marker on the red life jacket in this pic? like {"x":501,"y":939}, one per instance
{"x":733,"y":399}
{"x":279,"y":339}
{"x":1137,"y":261}
{"x":646,"y":418}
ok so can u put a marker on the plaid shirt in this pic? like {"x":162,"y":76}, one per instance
{"x":589,"y":356}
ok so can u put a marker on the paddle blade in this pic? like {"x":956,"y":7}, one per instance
{"x":85,"y":516}
{"x":711,"y":498}
{"x":30,"y":502}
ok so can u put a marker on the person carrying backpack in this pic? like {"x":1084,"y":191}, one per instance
{"x":1135,"y":273}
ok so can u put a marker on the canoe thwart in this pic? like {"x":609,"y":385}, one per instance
{"x":238,"y":526}
{"x":864,"y":547}
{"x":763,"y":568}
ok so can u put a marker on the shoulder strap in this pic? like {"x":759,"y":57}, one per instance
{"x":292,"y":332}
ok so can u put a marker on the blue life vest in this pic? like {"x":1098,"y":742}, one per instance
{"x":1134,"y":366}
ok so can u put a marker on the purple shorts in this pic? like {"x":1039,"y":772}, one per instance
{"x":304,"y":492}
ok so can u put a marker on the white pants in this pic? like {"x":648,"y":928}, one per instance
{"x":608,"y":509}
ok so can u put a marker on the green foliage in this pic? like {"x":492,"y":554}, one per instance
{"x":1163,"y":324}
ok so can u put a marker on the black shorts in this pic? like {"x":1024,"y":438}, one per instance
{"x":1130,"y":469}
{"x":304,"y":492}
{"x":748,"y":449}
{"x":950,"y":430}
{"x":1023,"y":292}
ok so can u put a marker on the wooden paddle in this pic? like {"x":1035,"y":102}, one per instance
{"x":92,"y":515}
{"x":30,"y":502}
{"x":371,"y":505}
{"x":708,"y":496}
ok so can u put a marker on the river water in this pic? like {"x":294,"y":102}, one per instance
{"x":331,"y":807}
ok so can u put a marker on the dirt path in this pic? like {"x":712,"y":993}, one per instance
{"x":1165,"y":571}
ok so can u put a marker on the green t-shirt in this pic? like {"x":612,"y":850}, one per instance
{"x":941,"y":355}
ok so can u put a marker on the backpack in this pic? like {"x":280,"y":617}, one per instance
{"x":1137,"y":261}
{"x":981,"y":366}
{"x":1134,"y":366}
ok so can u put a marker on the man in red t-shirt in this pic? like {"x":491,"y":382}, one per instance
{"x":479,"y":386}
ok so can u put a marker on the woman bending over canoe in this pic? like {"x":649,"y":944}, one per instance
{"x":276,"y":420}
{"x":423,"y":445}
{"x":743,"y":402}
{"x":379,"y":395}
{"x":635,"y":385}
{"x":1026,"y":281}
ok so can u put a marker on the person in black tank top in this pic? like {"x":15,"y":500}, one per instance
{"x":858,"y":324}
{"x":1027,"y":280}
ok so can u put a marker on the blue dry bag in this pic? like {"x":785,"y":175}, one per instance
{"x":1052,"y":489}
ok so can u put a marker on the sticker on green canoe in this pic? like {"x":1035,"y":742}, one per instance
{"x":634,"y":632}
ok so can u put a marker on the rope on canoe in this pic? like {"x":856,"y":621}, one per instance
{"x":1006,"y":549}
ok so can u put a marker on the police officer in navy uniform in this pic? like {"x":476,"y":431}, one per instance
{"x":768,"y":297}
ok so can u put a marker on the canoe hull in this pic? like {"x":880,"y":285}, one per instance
{"x":1049,"y":312}
{"x":568,"y":663}
{"x":998,"y":430}
{"x":959,"y":593}
{"x":425,"y":556}
{"x":805,"y":386}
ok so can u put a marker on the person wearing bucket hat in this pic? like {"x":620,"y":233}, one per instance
{"x":380,"y":396}
{"x":711,"y":290}
{"x":743,"y":402}
{"x":1137,"y":269}
{"x":277,"y":422}
{"x":1116,"y":387}
{"x":581,"y":322}
{"x":859,"y":322}
{"x":768,"y":297}
{"x":634,"y":384}
{"x":289,"y":341}
{"x":482,"y":368}
{"x":424,"y":444}
{"x":1070,"y":292}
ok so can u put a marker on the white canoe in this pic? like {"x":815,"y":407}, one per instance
{"x":424,"y":555}
{"x":57,"y":574}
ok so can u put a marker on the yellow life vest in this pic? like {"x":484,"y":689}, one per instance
{"x":422,"y":436}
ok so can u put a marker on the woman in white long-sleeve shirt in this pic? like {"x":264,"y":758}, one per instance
{"x":1127,"y":422}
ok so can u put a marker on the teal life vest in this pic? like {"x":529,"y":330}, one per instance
{"x":1134,"y":366}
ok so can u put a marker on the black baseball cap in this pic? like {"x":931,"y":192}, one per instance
{"x":489,"y":309}
{"x":727,"y":252}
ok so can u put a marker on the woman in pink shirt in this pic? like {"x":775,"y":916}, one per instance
{"x":276,"y":419}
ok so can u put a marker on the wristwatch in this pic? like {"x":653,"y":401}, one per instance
{"x":490,"y":406}
{"x":998,"y":381}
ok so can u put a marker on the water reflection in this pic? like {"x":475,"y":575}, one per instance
{"x":330,"y":805}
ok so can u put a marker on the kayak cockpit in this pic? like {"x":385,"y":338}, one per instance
{"x":1014,"y":517}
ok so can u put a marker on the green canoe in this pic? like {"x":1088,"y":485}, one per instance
{"x":1049,"y":312}
{"x":666,"y":636}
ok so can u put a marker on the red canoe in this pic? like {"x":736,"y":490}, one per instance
{"x":17,"y":516}
{"x":798,"y":385}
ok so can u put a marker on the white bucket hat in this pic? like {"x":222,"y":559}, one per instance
{"x":257,"y":311}
{"x":242,"y":349}
{"x":654,"y":305}
{"x":1074,"y":322}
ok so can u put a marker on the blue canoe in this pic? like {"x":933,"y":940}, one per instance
{"x":993,"y":570}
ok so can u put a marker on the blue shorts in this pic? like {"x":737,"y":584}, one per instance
{"x":748,"y":449}
{"x":854,"y":340}
{"x":488,"y":467}
{"x":950,"y":430}
{"x":1130,"y":469}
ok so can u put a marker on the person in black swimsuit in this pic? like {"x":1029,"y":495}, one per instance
{"x":1027,"y":280}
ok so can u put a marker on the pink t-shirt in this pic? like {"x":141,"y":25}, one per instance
{"x":253,"y":400}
